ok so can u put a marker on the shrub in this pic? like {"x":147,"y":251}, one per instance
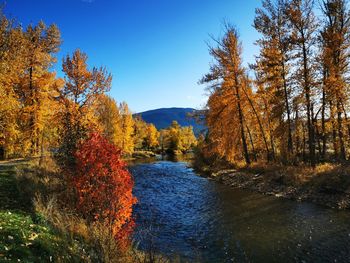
{"x":104,"y":187}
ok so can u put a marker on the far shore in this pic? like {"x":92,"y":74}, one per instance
{"x":327,"y":185}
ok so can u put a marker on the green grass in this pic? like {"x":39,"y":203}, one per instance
{"x":25,"y":236}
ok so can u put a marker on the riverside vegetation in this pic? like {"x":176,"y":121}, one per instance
{"x":286,"y":131}
{"x":37,"y":223}
{"x":78,"y":137}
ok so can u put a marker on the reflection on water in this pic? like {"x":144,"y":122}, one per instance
{"x":180,"y":213}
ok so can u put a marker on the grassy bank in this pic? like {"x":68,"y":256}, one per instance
{"x":25,"y":235}
{"x":38,"y":222}
{"x":327,"y":184}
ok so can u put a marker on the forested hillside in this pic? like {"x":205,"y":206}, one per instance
{"x":162,"y":118}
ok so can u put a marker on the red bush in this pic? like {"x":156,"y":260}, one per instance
{"x":104,"y":186}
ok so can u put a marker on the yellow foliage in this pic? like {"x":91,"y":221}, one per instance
{"x":109,"y":118}
{"x":177,"y":139}
{"x":152,"y":135}
{"x":127,"y":124}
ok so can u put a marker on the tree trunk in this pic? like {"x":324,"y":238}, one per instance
{"x":297,"y":135}
{"x":311,"y":134}
{"x":270,"y":130}
{"x":334,"y":130}
{"x":241,"y":122}
{"x":285,"y":90}
{"x":323,"y":124}
{"x":252,"y":143}
{"x":304,"y":141}
{"x":340,"y":131}
{"x":32,"y":114}
{"x":346,"y":120}
{"x":260,"y":126}
{"x":318,"y":139}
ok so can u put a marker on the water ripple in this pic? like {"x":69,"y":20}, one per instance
{"x":182,"y":214}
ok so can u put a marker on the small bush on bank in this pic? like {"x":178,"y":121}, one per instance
{"x":104,"y":187}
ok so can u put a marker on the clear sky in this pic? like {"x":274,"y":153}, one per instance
{"x":155,"y":49}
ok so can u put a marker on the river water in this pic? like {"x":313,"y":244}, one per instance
{"x":183,"y":215}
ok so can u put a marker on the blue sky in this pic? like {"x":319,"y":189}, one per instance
{"x":155,"y":49}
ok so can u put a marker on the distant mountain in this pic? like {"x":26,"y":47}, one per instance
{"x":162,"y":118}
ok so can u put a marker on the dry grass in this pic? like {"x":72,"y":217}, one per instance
{"x":326,"y":175}
{"x":52,"y":200}
{"x":327,"y":184}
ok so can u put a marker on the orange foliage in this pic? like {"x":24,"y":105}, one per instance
{"x":104,"y":186}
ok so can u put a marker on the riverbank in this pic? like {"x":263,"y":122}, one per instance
{"x":139,"y":155}
{"x":38,"y":222}
{"x":327,"y":184}
{"x":25,"y":235}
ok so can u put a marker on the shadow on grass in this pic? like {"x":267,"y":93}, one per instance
{"x":10,"y":198}
{"x":24,"y":235}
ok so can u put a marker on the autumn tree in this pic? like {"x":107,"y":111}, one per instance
{"x":127,"y":124}
{"x":139,"y":133}
{"x":33,"y":83}
{"x":173,"y":138}
{"x":145,"y":135}
{"x":256,"y":109}
{"x":11,"y":65}
{"x":225,"y":105}
{"x":296,"y":106}
{"x":176,"y":139}
{"x":335,"y":61}
{"x":273,"y":69}
{"x":151,"y":140}
{"x":109,"y":118}
{"x":104,"y":187}
{"x":41,"y":44}
{"x":27,"y":85}
{"x":82,"y":86}
{"x":163,"y":140}
{"x":304,"y":25}
{"x":188,"y":139}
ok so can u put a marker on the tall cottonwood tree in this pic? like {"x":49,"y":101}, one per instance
{"x":11,"y":67}
{"x":304,"y":25}
{"x":127,"y":128}
{"x":272,"y":64}
{"x":82,"y":87}
{"x":299,"y":100}
{"x":27,"y":85}
{"x":256,"y":115}
{"x":41,"y":45}
{"x":335,"y":44}
{"x":226,"y":78}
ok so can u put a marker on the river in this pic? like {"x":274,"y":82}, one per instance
{"x":183,"y":215}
